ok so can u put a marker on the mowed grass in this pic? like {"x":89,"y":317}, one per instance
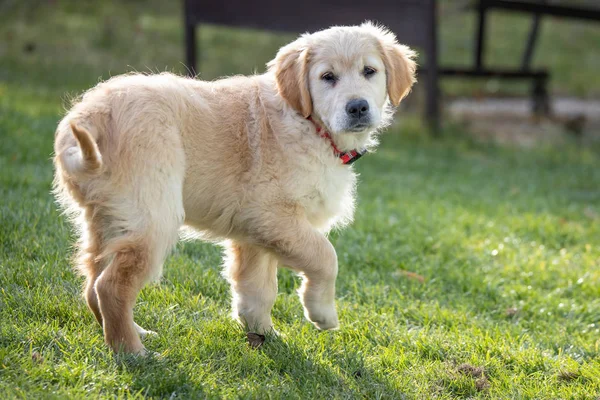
{"x":470,"y":270}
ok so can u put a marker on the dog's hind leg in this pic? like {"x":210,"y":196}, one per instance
{"x":88,"y":264}
{"x":145,"y":216}
{"x":136,"y":257}
{"x":252,"y":273}
{"x":91,"y":264}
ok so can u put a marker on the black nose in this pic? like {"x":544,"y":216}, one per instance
{"x":357,"y":108}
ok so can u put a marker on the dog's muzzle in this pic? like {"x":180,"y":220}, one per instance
{"x":358,"y":115}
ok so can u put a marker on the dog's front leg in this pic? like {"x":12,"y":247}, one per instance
{"x":308,"y":252}
{"x":317,"y":293}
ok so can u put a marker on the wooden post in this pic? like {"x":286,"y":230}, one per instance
{"x":539,"y":96}
{"x":190,"y":39}
{"x":480,"y":39}
{"x":432,"y":101}
{"x":533,"y":33}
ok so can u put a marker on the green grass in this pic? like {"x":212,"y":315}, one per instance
{"x":470,"y":271}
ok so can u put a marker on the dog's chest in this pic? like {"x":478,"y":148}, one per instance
{"x":327,"y":195}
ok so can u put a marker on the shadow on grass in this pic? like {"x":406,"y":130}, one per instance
{"x":284,"y":371}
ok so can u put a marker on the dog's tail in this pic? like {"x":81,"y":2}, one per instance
{"x":83,"y":159}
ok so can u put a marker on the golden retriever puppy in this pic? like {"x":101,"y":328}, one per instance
{"x":260,"y":163}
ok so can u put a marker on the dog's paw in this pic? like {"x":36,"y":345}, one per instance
{"x":144,"y":332}
{"x":253,"y":322}
{"x":139,"y":355}
{"x":129,"y":351}
{"x":323,"y":318}
{"x":326,"y":325}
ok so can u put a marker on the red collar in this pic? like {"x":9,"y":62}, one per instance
{"x":347,"y":157}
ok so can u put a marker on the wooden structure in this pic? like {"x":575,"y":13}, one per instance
{"x":536,"y":8}
{"x":413,"y":21}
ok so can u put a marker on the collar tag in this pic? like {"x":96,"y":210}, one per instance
{"x":350,"y":156}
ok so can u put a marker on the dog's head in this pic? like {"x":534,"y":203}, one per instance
{"x":345,"y":77}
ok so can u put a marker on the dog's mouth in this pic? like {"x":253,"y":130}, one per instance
{"x":351,"y":127}
{"x":359,"y":125}
{"x":359,"y":128}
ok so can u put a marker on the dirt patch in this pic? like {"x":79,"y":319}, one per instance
{"x":255,"y":340}
{"x":567,"y":376}
{"x":510,"y":121}
{"x":478,"y":373}
{"x":511,"y":311}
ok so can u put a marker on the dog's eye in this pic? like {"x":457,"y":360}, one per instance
{"x":329,"y":77}
{"x":368,"y":71}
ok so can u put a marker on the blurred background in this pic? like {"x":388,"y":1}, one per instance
{"x":54,"y":49}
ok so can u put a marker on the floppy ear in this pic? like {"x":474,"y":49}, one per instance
{"x":291,"y":74}
{"x":399,"y":64}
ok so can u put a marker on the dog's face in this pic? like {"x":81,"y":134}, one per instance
{"x":347,"y":84}
{"x":344,"y":76}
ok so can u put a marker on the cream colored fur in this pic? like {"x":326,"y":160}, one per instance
{"x":234,"y":160}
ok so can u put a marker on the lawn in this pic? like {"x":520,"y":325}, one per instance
{"x":471,"y":270}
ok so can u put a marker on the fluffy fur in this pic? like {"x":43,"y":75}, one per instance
{"x":236,"y":160}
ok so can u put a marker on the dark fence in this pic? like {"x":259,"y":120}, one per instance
{"x":413,"y":21}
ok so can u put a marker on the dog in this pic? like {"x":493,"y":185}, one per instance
{"x":258,"y":163}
